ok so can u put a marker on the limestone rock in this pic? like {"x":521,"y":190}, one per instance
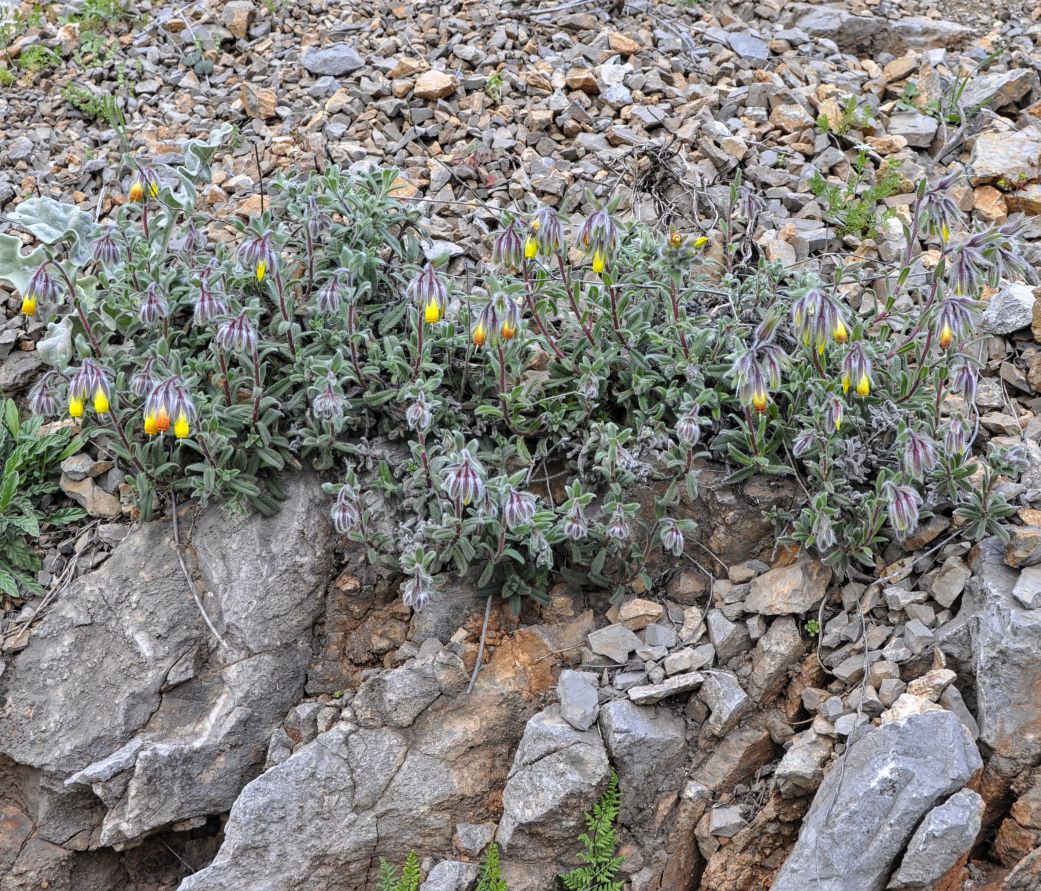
{"x":789,"y":590}
{"x":435,"y":84}
{"x":943,"y":839}
{"x":558,"y":773}
{"x":332,"y":61}
{"x":891,"y":778}
{"x":579,"y":703}
{"x":647,"y":746}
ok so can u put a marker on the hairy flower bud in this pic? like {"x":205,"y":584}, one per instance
{"x":345,"y":513}
{"x":464,"y":478}
{"x":688,"y":428}
{"x":920,"y":455}
{"x":575,"y":526}
{"x":258,"y":256}
{"x":671,"y":536}
{"x":545,"y":234}
{"x":106,"y":251}
{"x":208,"y":305}
{"x":237,"y":335}
{"x":43,"y":398}
{"x":518,"y":509}
{"x":154,"y":307}
{"x":145,"y":185}
{"x":618,"y":529}
{"x":88,"y":384}
{"x":328,"y":403}
{"x":508,"y":249}
{"x":904,"y":506}
{"x":41,"y":288}
{"x":419,"y":414}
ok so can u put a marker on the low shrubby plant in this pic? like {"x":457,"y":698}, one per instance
{"x":29,"y":459}
{"x":507,"y":421}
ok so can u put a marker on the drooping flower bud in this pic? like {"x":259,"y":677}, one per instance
{"x":43,"y":398}
{"x":920,"y":455}
{"x":258,"y":255}
{"x":508,"y":250}
{"x":575,"y":526}
{"x":41,"y":288}
{"x":599,"y":237}
{"x":688,"y":428}
{"x":154,"y":307}
{"x":345,"y":513}
{"x":106,"y":251}
{"x":237,"y":335}
{"x":904,"y":506}
{"x":419,"y":415}
{"x":328,"y":403}
{"x":518,"y":509}
{"x":464,"y":478}
{"x":208,"y":305}
{"x":88,"y":384}
{"x":144,"y":186}
{"x":428,"y":292}
{"x":618,"y":529}
{"x":545,"y":234}
{"x":671,"y":536}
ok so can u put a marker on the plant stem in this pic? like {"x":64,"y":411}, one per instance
{"x":530,"y":298}
{"x":257,"y":388}
{"x":223,"y":372}
{"x":571,"y":298}
{"x":283,"y":308}
{"x":418,"y":361}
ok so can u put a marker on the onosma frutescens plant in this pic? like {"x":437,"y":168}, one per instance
{"x":505,"y":421}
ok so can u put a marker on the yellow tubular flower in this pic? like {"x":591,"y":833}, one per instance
{"x":151,"y":425}
{"x":840,"y":333}
{"x":137,"y":191}
{"x":162,"y":421}
{"x":820,"y":348}
{"x":675,"y":239}
{"x":759,"y":401}
{"x":945,"y":233}
{"x":946,"y":337}
{"x":181,"y":426}
{"x":100,"y":402}
{"x":75,"y":407}
{"x":480,"y":335}
{"x":863,"y":386}
{"x":261,"y":270}
{"x":153,"y":190}
{"x":845,"y":383}
{"x":531,"y":246}
{"x":700,"y":242}
{"x":432,"y":313}
{"x":507,"y":331}
{"x":598,"y":262}
{"x":29,"y":305}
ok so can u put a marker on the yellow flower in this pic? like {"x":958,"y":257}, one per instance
{"x":100,"y":402}
{"x":29,"y":305}
{"x":676,"y":239}
{"x":261,"y":269}
{"x":820,"y":347}
{"x":480,"y":335}
{"x":151,"y":425}
{"x":535,"y":225}
{"x":840,"y":333}
{"x":531,"y":246}
{"x":700,"y":242}
{"x":945,"y":233}
{"x":946,"y":336}
{"x":137,"y":191}
{"x":162,"y":421}
{"x":75,"y":407}
{"x":845,"y":383}
{"x":432,"y":313}
{"x":507,"y":331}
{"x":181,"y":427}
{"x":759,"y":401}
{"x":863,"y":386}
{"x":598,"y":262}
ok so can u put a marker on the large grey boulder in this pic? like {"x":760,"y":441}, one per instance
{"x":558,"y":773}
{"x":365,"y":789}
{"x":134,"y":708}
{"x":866,"y":810}
{"x":995,"y":641}
{"x":944,"y":838}
{"x":647,"y":746}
